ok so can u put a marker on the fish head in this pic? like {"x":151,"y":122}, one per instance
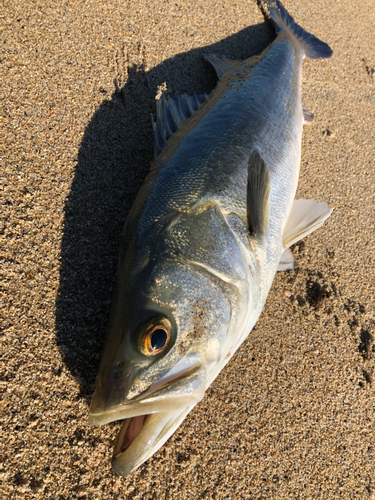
{"x":169,"y":321}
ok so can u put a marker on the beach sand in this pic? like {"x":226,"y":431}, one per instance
{"x":292,"y":415}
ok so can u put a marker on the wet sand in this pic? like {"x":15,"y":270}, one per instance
{"x":292,"y":415}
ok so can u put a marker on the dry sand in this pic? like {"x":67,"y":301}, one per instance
{"x":292,"y":416}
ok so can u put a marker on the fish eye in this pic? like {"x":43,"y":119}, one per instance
{"x":158,"y":338}
{"x":154,"y":335}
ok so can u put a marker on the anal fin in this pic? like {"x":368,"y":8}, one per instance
{"x":287,"y":261}
{"x":308,"y":116}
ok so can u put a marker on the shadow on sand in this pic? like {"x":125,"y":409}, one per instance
{"x":113,"y":160}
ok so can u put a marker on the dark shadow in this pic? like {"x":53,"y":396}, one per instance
{"x":113,"y":160}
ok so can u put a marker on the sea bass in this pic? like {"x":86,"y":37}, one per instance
{"x":211,"y":225}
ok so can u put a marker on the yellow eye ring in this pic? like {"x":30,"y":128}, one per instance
{"x":155,"y":336}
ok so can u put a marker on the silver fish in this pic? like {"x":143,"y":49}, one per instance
{"x":211,"y":225}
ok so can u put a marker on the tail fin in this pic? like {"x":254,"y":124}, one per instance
{"x":313,"y":47}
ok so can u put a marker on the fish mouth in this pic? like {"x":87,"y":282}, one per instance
{"x":150,"y":419}
{"x":129,"y":431}
{"x":141,"y":436}
{"x":172,"y":391}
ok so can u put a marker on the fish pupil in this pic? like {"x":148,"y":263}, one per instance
{"x":158,"y":339}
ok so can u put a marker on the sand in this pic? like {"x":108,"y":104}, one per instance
{"x":292,"y":415}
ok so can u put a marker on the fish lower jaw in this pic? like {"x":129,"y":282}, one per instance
{"x":141,"y":436}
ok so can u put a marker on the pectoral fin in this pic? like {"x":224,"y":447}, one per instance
{"x":258,"y":193}
{"x":305,"y":216}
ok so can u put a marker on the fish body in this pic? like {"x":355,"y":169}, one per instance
{"x":210,"y":226}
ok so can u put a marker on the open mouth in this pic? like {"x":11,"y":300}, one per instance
{"x":129,"y":431}
{"x":141,"y":436}
{"x":148,"y":421}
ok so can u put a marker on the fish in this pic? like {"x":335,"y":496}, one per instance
{"x":212,"y":223}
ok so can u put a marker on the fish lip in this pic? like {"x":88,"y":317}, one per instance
{"x":156,"y":399}
{"x":165,"y":403}
{"x":128,"y":410}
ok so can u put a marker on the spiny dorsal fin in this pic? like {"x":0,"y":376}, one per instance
{"x":221,"y":64}
{"x":258,"y":192}
{"x":305,"y":216}
{"x":170,"y":112}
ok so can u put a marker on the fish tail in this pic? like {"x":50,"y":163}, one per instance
{"x":313,"y":47}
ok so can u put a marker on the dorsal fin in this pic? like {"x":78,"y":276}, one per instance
{"x":170,"y":112}
{"x":221,"y":64}
{"x":258,"y":193}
